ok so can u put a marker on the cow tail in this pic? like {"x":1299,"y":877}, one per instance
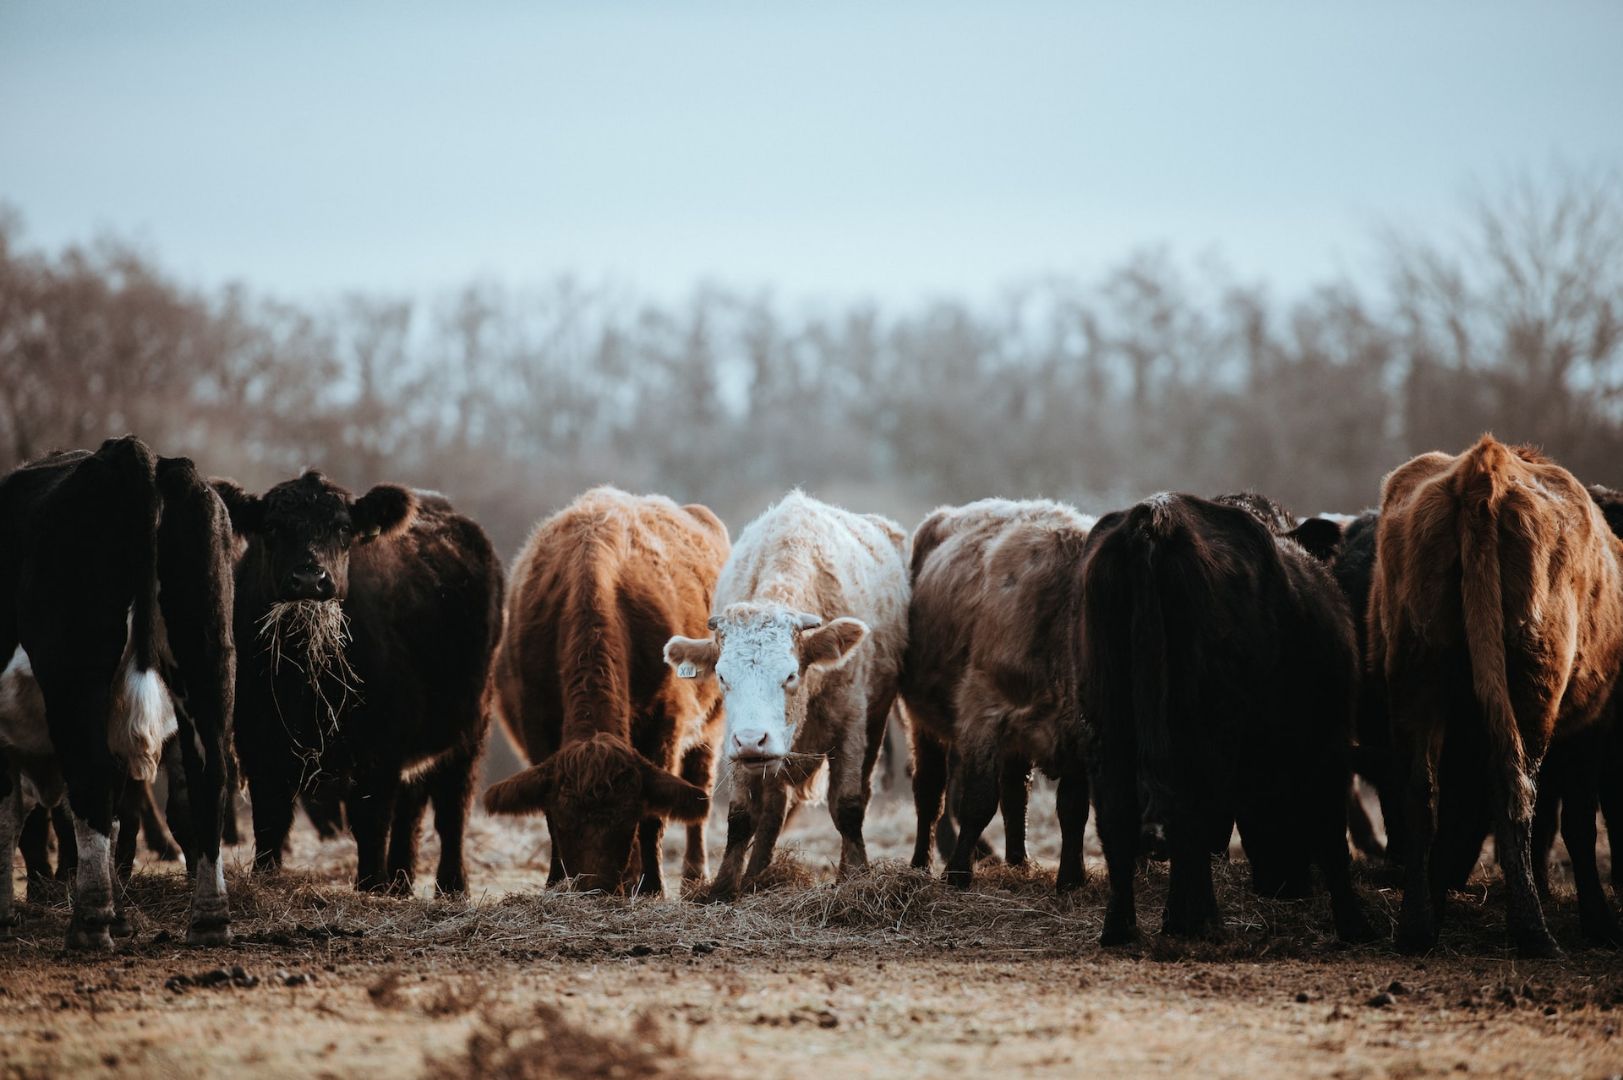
{"x":1480,"y":494}
{"x":1150,"y":675}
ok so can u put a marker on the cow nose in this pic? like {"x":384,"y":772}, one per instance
{"x":750,"y":742}
{"x":310,"y":582}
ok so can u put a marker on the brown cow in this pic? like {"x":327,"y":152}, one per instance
{"x":996,"y":594}
{"x":581,"y":687}
{"x":1497,"y":620}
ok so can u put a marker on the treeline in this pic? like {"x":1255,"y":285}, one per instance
{"x":1153,"y":376}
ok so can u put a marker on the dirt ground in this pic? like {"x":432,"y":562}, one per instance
{"x":889,"y":974}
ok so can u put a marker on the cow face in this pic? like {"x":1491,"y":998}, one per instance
{"x":766,"y":657}
{"x":594,"y":793}
{"x":307,"y":527}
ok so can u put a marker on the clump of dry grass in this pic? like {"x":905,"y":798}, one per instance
{"x":542,"y":1043}
{"x":313,"y":636}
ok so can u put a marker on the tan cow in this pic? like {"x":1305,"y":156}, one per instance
{"x":996,"y":599}
{"x":809,"y":629}
{"x":579,"y":685}
{"x":1497,"y":620}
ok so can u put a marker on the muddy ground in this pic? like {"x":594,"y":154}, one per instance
{"x":887,"y":974}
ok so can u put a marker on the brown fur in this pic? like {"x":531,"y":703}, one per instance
{"x":579,"y":682}
{"x":988,"y":668}
{"x":1496,"y":623}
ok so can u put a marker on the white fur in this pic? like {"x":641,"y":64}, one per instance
{"x":210,"y":882}
{"x":95,"y":861}
{"x":12,"y":813}
{"x":143,"y":720}
{"x":22,"y":710}
{"x":800,"y":564}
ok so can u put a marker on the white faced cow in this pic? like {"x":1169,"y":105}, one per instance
{"x":809,"y":629}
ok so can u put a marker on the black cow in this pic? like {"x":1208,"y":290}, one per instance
{"x":1218,"y":672}
{"x":115,"y":609}
{"x":366,"y":627}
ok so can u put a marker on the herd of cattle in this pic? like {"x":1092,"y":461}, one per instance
{"x":1187,"y":667}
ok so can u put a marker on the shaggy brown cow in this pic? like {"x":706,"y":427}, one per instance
{"x":988,"y":672}
{"x":1496,"y":622}
{"x":581,"y":687}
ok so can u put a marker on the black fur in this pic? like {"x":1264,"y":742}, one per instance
{"x":1218,"y":671}
{"x":422,"y":589}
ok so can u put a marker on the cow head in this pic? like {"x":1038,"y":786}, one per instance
{"x":594,"y":793}
{"x":306,"y":528}
{"x":766,"y":657}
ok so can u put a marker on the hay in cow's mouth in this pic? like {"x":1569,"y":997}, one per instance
{"x":313,"y":636}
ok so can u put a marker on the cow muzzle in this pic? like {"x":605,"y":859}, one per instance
{"x":309,"y":583}
{"x":755,"y":745}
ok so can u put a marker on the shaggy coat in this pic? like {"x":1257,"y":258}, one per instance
{"x":1218,"y":674}
{"x":997,"y":591}
{"x":115,"y":616}
{"x":582,"y":690}
{"x":1496,"y":623}
{"x":810,"y":627}
{"x":394,"y":716}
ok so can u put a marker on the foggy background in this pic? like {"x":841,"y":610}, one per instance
{"x":899,"y":256}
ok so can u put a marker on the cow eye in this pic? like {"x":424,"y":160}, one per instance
{"x":792,"y":681}
{"x":722,"y":679}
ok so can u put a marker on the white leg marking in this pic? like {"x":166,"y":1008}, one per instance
{"x":95,"y":865}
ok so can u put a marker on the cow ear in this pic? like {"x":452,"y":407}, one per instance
{"x":1320,"y":536}
{"x":692,"y":658}
{"x":668,"y":796}
{"x":247,"y":511}
{"x":386,"y":510}
{"x":524,"y":792}
{"x":830,"y":645}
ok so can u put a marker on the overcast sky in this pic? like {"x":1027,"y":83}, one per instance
{"x":822,"y":150}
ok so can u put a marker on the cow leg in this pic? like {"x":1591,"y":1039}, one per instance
{"x":1513,"y":840}
{"x":35,"y":842}
{"x":67,"y":852}
{"x":774,"y":808}
{"x":556,"y":870}
{"x":698,"y":765}
{"x":1328,"y":822}
{"x":1580,"y":778}
{"x":451,"y":789}
{"x":229,"y":833}
{"x":271,"y":791}
{"x":1116,"y":784}
{"x":160,"y":841}
{"x":929,"y":785}
{"x":1014,"y":793}
{"x":978,"y":773}
{"x":1421,"y":727}
{"x":203,"y":755}
{"x":1547,"y":814}
{"x":1611,"y":805}
{"x":651,"y":848}
{"x":13,"y":812}
{"x":1361,"y":827}
{"x":371,"y":807}
{"x":1191,"y":909}
{"x":946,"y":830}
{"x":403,"y":835}
{"x":741,"y":814}
{"x":1071,"y":805}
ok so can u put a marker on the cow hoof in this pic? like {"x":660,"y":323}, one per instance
{"x":1537,"y":945}
{"x":206,"y":936}
{"x":960,"y":879}
{"x":83,"y":938}
{"x":1116,"y":934}
{"x":1601,"y":930}
{"x":1069,"y":881}
{"x":1355,"y":929}
{"x":120,"y":926}
{"x":1416,"y":940}
{"x":717,"y":893}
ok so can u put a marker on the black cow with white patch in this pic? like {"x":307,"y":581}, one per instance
{"x":115,"y":614}
{"x":1218,"y":672}
{"x":366,"y":627}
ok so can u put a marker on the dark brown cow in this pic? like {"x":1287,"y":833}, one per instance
{"x":583,"y":690}
{"x":1496,"y":622}
{"x":988,"y":672}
